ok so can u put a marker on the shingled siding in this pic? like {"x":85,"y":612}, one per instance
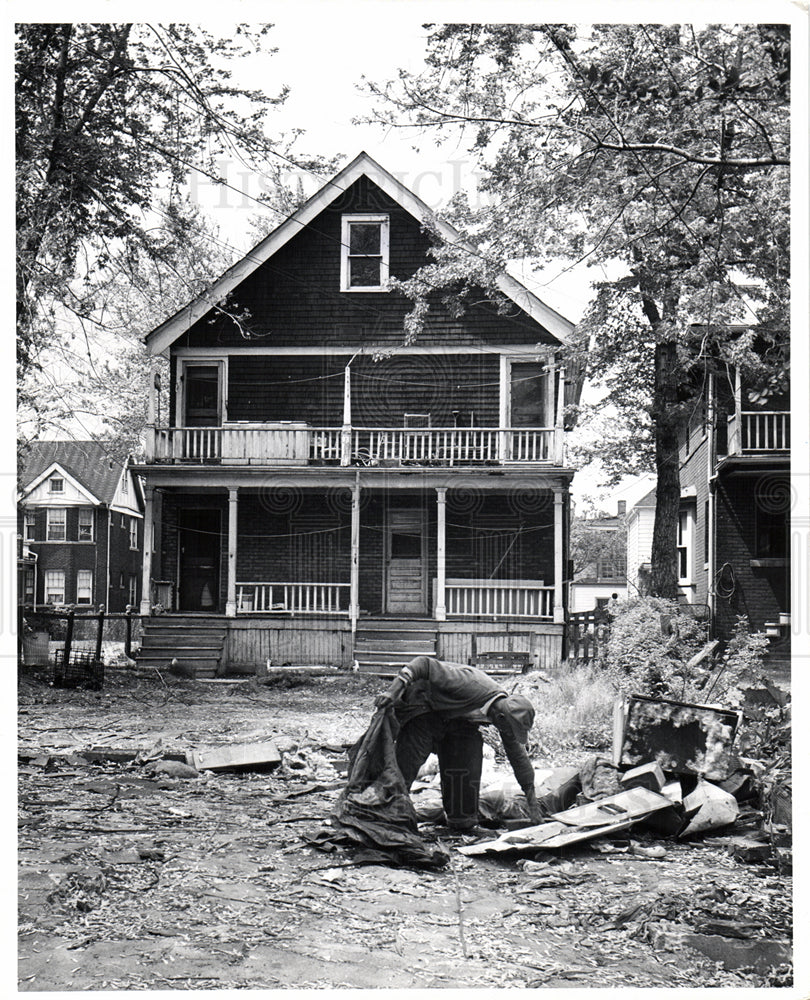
{"x":295,"y":299}
{"x":450,"y":388}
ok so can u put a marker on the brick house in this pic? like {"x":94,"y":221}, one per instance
{"x":733,"y":525}
{"x":323,"y":491}
{"x":80,"y":523}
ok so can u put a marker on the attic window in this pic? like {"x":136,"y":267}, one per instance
{"x":364,"y":253}
{"x":57,"y":484}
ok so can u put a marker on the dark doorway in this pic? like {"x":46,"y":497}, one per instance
{"x":199,"y":542}
{"x":202,"y":396}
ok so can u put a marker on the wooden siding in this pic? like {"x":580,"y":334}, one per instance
{"x":294,"y":297}
{"x":544,"y":642}
{"x":302,"y":388}
{"x":252,"y":641}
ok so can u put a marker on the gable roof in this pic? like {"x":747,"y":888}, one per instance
{"x":362,"y":165}
{"x":648,"y":500}
{"x":88,"y":462}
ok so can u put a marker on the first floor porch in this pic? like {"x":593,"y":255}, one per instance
{"x":345,"y":551}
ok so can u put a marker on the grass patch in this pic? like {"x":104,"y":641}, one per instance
{"x":573,"y":711}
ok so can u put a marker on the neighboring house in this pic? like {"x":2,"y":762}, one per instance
{"x":733,"y":537}
{"x":324,"y":492}
{"x":600,"y":565}
{"x":81,"y":527}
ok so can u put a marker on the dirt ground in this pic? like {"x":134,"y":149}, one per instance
{"x":132,"y":879}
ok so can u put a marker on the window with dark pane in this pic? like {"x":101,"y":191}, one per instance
{"x":202,"y":395}
{"x":529,"y":394}
{"x":365,"y":254}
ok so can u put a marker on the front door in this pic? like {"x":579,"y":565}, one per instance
{"x":405,"y":561}
{"x":199,"y":560}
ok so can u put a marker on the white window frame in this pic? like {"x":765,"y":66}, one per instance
{"x":86,"y":573}
{"x":51,"y":575}
{"x":686,"y":543}
{"x":30,"y":526}
{"x":385,"y":229}
{"x":197,"y":361}
{"x":83,"y":512}
{"x":133,"y":590}
{"x":51,"y":523}
{"x":52,"y":485}
{"x":133,"y":534}
{"x":505,"y":389}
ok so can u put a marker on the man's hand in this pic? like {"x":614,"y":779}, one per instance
{"x":383,"y":700}
{"x":537,"y":813}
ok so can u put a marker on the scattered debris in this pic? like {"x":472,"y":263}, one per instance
{"x":708,"y":807}
{"x":175,"y":769}
{"x":237,"y":757}
{"x":682,"y":738}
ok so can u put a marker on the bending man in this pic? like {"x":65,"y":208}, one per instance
{"x":440,"y":707}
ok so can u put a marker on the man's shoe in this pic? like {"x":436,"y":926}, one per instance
{"x":471,"y":831}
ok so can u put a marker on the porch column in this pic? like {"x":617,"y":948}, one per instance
{"x":346,"y":430}
{"x":559,"y":615}
{"x":559,"y":432}
{"x":148,"y":542}
{"x":441,"y":504}
{"x":230,"y":603}
{"x":354,"y":589}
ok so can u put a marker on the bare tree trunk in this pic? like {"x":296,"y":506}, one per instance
{"x":668,"y":486}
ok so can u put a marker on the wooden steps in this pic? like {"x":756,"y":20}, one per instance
{"x":197,"y":644}
{"x":383,"y":646}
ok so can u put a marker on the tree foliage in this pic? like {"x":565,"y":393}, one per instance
{"x":659,"y":152}
{"x":110,"y":118}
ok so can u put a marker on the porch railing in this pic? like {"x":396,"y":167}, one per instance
{"x":300,"y":445}
{"x":758,"y":431}
{"x":278,"y":598}
{"x":499,"y":598}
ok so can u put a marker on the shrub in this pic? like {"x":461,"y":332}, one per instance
{"x":741,"y":662}
{"x":639,"y":658}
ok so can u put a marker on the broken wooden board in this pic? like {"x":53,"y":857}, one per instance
{"x":632,"y":804}
{"x":594,"y":819}
{"x":238,"y":757}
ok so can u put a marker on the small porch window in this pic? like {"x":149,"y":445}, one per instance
{"x":364,"y":253}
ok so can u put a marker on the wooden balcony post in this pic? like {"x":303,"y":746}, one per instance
{"x":148,"y":543}
{"x":152,"y":409}
{"x":441,"y":504}
{"x":559,"y":616}
{"x":354,"y":588}
{"x":233,"y":503}
{"x":559,"y":422}
{"x":346,"y":432}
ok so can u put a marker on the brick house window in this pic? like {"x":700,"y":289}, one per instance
{"x":771,"y":532}
{"x":686,"y":545}
{"x":55,"y":586}
{"x":30,"y":526}
{"x":56,"y":484}
{"x":85,"y":525}
{"x":84,"y":586}
{"x":364,"y":253}
{"x":28,"y":587}
{"x":133,"y":532}
{"x":133,"y":589}
{"x":57,"y":522}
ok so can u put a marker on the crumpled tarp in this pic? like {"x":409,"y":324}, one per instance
{"x":374,"y":809}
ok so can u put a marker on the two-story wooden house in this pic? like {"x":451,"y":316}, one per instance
{"x":733,"y":525}
{"x":323,"y":491}
{"x":81,"y":526}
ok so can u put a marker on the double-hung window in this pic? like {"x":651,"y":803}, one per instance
{"x":57,"y":524}
{"x":85,"y":525}
{"x":30,"y":529}
{"x":133,"y":532}
{"x":686,"y":545}
{"x":55,"y":586}
{"x":84,"y":586}
{"x":364,"y":253}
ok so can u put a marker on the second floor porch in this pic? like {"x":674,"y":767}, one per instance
{"x":287,"y":443}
